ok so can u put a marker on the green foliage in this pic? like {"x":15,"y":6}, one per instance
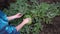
{"x":38,"y":12}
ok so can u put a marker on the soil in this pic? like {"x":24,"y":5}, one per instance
{"x":52,"y":28}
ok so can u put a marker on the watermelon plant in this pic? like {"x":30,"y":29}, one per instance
{"x":28,"y":16}
{"x":38,"y":12}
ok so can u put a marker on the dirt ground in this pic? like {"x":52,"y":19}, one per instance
{"x":52,"y":28}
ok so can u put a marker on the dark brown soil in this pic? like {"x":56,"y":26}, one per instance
{"x":49,"y":1}
{"x":52,"y":28}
